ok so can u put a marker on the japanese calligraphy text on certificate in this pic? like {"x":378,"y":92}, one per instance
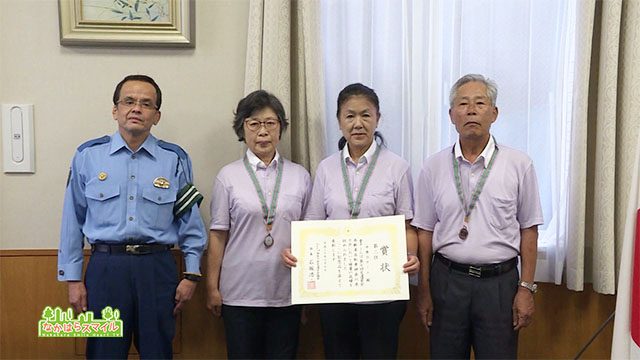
{"x":349,"y":260}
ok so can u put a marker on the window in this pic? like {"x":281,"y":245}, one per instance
{"x":412,"y":51}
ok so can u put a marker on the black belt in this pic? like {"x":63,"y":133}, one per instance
{"x":133,"y":249}
{"x":479,"y":271}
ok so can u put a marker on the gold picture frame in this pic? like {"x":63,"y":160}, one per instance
{"x":157,"y":23}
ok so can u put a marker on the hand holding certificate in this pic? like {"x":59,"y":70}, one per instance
{"x":349,"y":260}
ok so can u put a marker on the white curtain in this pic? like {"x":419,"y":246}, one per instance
{"x":412,"y":51}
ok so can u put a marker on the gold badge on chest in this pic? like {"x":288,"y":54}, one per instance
{"x":102,"y":176}
{"x":161,"y":182}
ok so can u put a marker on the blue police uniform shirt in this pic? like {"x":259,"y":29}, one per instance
{"x":111,"y":198}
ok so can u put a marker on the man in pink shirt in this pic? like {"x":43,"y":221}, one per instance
{"x":477,"y":210}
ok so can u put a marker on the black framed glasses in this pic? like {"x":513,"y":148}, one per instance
{"x":131,"y":102}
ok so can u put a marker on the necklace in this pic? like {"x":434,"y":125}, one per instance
{"x":268,"y":212}
{"x":354,"y":205}
{"x":464,"y":231}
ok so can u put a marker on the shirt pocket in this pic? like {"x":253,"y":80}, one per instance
{"x":156,"y":208}
{"x":503,"y":212}
{"x":103,"y":204}
{"x":381,"y":202}
{"x":290,"y":206}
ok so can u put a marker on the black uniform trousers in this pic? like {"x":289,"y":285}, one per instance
{"x":261,"y":332}
{"x":368,"y":331}
{"x":472,"y":312}
{"x":142,"y":288}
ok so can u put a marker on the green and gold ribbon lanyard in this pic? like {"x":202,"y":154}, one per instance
{"x":354,"y":206}
{"x":464,"y":231}
{"x":269,"y":213}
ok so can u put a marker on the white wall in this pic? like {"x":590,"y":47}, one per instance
{"x":71,"y":89}
{"x":2,"y":86}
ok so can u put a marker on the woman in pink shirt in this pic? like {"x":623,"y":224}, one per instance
{"x":254,"y":201}
{"x":362,"y":330}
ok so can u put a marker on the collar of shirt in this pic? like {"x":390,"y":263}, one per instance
{"x":485,"y":155}
{"x":149,"y":144}
{"x":365,"y":157}
{"x":256,"y":163}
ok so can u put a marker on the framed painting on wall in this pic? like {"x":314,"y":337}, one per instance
{"x":167,"y":23}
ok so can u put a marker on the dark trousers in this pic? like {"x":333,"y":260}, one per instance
{"x":261,"y":332}
{"x":368,"y":331}
{"x":472,"y":312}
{"x":143,"y":288}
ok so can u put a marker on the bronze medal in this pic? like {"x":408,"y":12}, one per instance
{"x":269,"y":212}
{"x":268,"y":241}
{"x":463,"y":233}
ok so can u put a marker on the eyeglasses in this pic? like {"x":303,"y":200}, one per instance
{"x":255,"y":124}
{"x":131,"y":102}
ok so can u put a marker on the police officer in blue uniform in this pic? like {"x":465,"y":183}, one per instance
{"x":131,"y":196}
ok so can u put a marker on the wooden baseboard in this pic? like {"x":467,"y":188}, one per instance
{"x":28,"y":284}
{"x":563,"y":322}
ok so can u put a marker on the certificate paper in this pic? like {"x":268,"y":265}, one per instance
{"x":349,"y":260}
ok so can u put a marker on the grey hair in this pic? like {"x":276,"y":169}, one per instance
{"x":492,"y":87}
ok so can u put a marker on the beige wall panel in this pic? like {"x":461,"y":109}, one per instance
{"x":71,"y":89}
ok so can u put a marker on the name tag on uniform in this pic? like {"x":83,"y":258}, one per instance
{"x":161,"y":182}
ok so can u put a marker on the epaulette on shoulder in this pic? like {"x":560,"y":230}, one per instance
{"x":175,"y":148}
{"x":101,"y":140}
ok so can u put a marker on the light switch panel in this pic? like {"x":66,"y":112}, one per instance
{"x":17,"y":138}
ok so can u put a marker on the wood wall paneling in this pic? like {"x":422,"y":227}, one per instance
{"x":27,"y":285}
{"x":563,"y":322}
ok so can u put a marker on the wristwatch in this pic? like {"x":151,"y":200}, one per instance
{"x":192,"y":277}
{"x":533,"y":287}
